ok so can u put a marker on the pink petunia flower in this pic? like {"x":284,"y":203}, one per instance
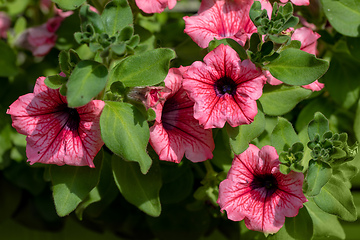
{"x":175,"y":131}
{"x":224,"y":88}
{"x":57,"y":134}
{"x":5,"y":23}
{"x":308,"y":40}
{"x":41,"y":39}
{"x":155,"y":6}
{"x":222,"y":19}
{"x":255,"y":190}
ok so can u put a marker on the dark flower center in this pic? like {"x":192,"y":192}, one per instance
{"x":73,"y":120}
{"x":267,"y":181}
{"x":225,"y":85}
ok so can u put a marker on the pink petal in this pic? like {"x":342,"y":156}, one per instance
{"x":300,"y":2}
{"x":314,"y":86}
{"x":5,"y":24}
{"x":213,"y":110}
{"x":308,"y":39}
{"x":220,"y":19}
{"x":243,"y":198}
{"x":175,"y":131}
{"x":155,"y":6}
{"x":43,"y":116}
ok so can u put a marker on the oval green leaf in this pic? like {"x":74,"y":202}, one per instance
{"x":145,"y":69}
{"x":138,"y":189}
{"x":86,"y":81}
{"x":343,"y":15}
{"x":281,"y":99}
{"x":335,"y":198}
{"x":318,"y":175}
{"x":296,"y":67}
{"x":125,"y":132}
{"x":283,"y":136}
{"x":319,"y":125}
{"x":71,"y":185}
{"x":116,"y":15}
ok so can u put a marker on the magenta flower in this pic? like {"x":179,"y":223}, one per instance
{"x":41,"y":39}
{"x":175,"y":131}
{"x":155,"y":6}
{"x":224,"y":88}
{"x":221,"y":19}
{"x":57,"y":134}
{"x":308,"y":40}
{"x":255,"y":190}
{"x":5,"y":23}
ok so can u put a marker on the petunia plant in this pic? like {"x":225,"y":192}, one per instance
{"x":166,"y":119}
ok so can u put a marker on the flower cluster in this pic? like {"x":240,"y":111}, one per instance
{"x":192,"y":100}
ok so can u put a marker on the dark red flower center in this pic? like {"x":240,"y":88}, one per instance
{"x":225,"y":85}
{"x":267,"y":181}
{"x":73,"y":119}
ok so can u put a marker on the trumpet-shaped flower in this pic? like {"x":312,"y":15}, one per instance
{"x":255,"y":190}
{"x":175,"y":131}
{"x":308,"y":40}
{"x":57,"y":134}
{"x":222,"y":19}
{"x":155,"y":6}
{"x":224,"y":88}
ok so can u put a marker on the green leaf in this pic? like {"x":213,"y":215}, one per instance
{"x":86,"y":81}
{"x":335,"y":198}
{"x":299,"y":227}
{"x":326,"y":226}
{"x":283,"y":135}
{"x":116,"y":15}
{"x":145,"y":69}
{"x":229,"y":42}
{"x":296,"y":67}
{"x":319,"y":173}
{"x":223,"y":155}
{"x":343,"y":15}
{"x":125,"y":132}
{"x":71,"y":185}
{"x":319,"y":125}
{"x":346,"y":68}
{"x":281,"y":99}
{"x":7,"y":61}
{"x":68,"y":4}
{"x":90,"y":18}
{"x":138,"y":189}
{"x":241,"y":136}
{"x":345,"y":172}
{"x":55,"y":81}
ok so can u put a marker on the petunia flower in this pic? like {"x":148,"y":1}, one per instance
{"x":308,"y":40}
{"x":57,"y":134}
{"x":222,"y":19}
{"x":255,"y":190}
{"x":175,"y":131}
{"x":5,"y":23}
{"x":155,"y":6}
{"x":41,"y":39}
{"x":224,"y":88}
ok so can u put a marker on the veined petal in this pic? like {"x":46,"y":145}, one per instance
{"x":256,"y":191}
{"x":155,"y":6}
{"x":220,"y":19}
{"x":57,"y":134}
{"x":176,"y":132}
{"x":224,"y":88}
